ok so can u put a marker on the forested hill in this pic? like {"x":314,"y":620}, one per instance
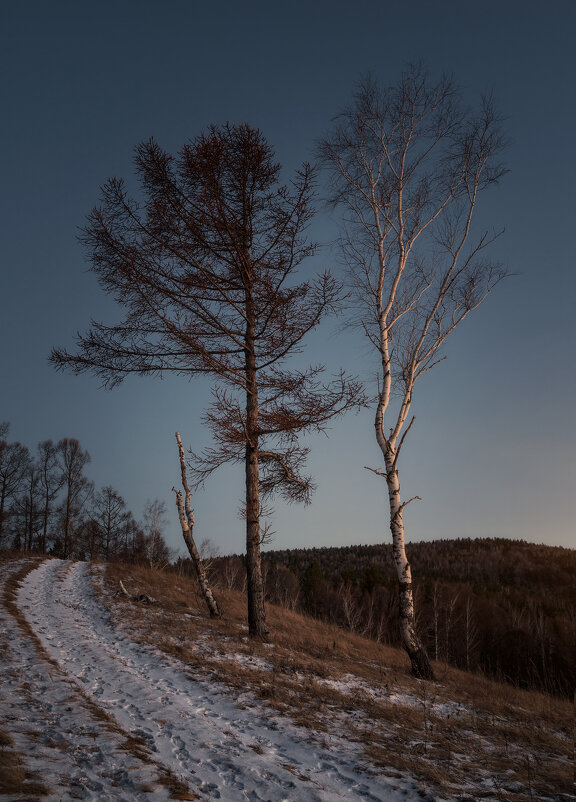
{"x":488,"y":564}
{"x":503,"y":607}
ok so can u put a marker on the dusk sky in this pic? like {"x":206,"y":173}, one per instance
{"x":492,"y":451}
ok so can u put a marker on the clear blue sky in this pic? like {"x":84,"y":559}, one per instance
{"x":493,"y":449}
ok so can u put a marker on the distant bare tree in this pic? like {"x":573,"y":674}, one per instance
{"x":77,"y":488}
{"x":233,"y":568}
{"x":350,"y":607}
{"x":205,"y":270}
{"x":408,"y":164}
{"x":29,"y":507}
{"x":50,"y":480}
{"x":154,"y":523}
{"x":14,"y":465}
{"x":108,"y":510}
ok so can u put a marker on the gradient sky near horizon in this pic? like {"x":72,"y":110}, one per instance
{"x":492,"y":452}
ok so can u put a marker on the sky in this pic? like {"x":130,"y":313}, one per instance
{"x":491,"y":453}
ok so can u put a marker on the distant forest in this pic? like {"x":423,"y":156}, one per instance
{"x":502,"y":607}
{"x":48,"y":505}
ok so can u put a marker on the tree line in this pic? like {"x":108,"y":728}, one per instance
{"x":48,"y":505}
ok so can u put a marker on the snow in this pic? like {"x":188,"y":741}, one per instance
{"x":191,"y":726}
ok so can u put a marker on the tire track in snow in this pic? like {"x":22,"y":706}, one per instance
{"x":52,"y":727}
{"x":193,"y":729}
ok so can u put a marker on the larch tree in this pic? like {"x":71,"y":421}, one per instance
{"x":204,"y":267}
{"x":408,"y":164}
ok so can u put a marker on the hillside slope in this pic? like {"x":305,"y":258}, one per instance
{"x":107,"y":698}
{"x":506,"y":608}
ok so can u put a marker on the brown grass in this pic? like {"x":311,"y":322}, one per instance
{"x":462,"y":733}
{"x":15,"y":778}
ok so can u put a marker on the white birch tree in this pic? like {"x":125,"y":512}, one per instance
{"x":186,"y":516}
{"x":408,"y":164}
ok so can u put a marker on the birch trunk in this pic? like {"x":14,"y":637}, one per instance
{"x":421,"y":667}
{"x":186,"y":515}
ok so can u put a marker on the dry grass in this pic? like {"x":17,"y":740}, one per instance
{"x":465,"y":735}
{"x":15,"y":778}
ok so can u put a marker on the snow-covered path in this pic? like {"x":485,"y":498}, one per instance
{"x":69,"y":749}
{"x":192,"y":727}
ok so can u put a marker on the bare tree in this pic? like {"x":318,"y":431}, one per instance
{"x":28,"y":507}
{"x":233,"y":567}
{"x":14,"y":465}
{"x":186,"y":515}
{"x":111,"y":516}
{"x":50,"y":481}
{"x":408,"y":164}
{"x":153,"y":525}
{"x":204,"y":269}
{"x":77,"y":488}
{"x":350,"y":607}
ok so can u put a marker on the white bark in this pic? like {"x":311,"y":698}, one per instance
{"x":418,"y":658}
{"x":186,"y":516}
{"x":138,"y":597}
{"x":408,"y":164}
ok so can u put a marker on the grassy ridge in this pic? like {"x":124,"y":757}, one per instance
{"x":465,"y":736}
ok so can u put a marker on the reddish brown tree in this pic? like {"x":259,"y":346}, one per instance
{"x":204,"y":268}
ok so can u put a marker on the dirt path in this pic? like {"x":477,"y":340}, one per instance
{"x":57,"y":735}
{"x":191,"y":727}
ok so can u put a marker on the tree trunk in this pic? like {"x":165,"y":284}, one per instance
{"x":421,"y":667}
{"x":2,"y":505}
{"x":255,"y":586}
{"x":45,"y":515}
{"x":186,"y":516}
{"x":67,"y":526}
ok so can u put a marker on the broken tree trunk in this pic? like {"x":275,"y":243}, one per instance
{"x":139,"y":597}
{"x":186,"y":515}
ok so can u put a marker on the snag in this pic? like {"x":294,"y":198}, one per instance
{"x":139,"y":597}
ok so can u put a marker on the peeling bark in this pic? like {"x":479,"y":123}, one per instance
{"x":419,"y":660}
{"x":186,"y":515}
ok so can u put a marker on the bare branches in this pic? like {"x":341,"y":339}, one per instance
{"x":291,"y":404}
{"x":407,"y":164}
{"x":214,"y":221}
{"x":204,"y":270}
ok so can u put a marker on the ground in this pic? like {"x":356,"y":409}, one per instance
{"x":105,"y":698}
